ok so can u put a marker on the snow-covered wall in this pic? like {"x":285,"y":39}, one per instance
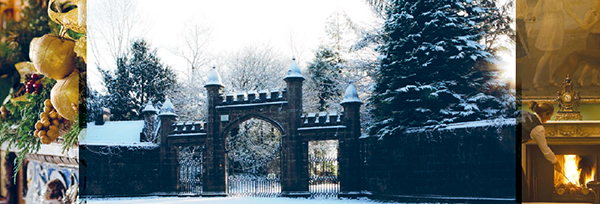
{"x":469,"y":160}
{"x":115,"y":133}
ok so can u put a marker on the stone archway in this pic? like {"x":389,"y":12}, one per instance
{"x":254,"y":157}
{"x":250,"y":116}
{"x":280,"y":108}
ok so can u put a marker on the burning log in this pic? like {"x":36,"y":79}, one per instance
{"x":560,"y":191}
{"x":572,"y":190}
{"x":585,"y":191}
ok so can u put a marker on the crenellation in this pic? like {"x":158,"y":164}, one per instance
{"x":229,"y":98}
{"x":224,"y":99}
{"x":322,"y":118}
{"x":262,"y":95}
{"x":312,"y":117}
{"x":197,"y":126}
{"x":240,"y":97}
{"x":252,"y":96}
{"x":283,"y":94}
{"x":178,"y":127}
{"x":332,"y":118}
{"x":304,"y":119}
{"x":188,"y":126}
{"x":274,"y":94}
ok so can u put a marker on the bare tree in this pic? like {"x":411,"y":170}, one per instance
{"x":196,"y":37}
{"x":254,"y":68}
{"x":189,"y":96}
{"x":111,"y":28}
{"x":254,"y":144}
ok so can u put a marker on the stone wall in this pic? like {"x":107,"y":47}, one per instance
{"x":477,"y":162}
{"x":119,"y":171}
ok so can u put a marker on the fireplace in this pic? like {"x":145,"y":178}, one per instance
{"x":577,"y":147}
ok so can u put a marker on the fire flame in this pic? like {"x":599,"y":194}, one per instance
{"x":572,"y":171}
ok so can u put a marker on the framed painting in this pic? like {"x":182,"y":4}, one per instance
{"x":557,"y":39}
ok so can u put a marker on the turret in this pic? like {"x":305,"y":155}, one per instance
{"x":215,"y":162}
{"x":149,"y":113}
{"x":349,"y":146}
{"x":168,"y":158}
{"x":167,"y":117}
{"x":294,"y":81}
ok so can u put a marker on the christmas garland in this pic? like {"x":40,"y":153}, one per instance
{"x":46,"y":107}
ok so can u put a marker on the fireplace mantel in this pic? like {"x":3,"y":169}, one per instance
{"x":572,"y":129}
{"x":570,"y":133}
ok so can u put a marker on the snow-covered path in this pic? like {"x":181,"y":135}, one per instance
{"x":227,"y":200}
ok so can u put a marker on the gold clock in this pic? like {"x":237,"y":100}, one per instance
{"x":568,"y":101}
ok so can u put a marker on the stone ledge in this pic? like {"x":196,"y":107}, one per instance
{"x":295,"y":194}
{"x":214,"y":194}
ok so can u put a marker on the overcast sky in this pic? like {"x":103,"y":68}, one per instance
{"x":234,"y":23}
{"x":280,"y":24}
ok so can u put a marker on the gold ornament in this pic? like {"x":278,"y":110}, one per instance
{"x":71,"y":14}
{"x":65,"y":96}
{"x":568,"y":100}
{"x":52,"y":56}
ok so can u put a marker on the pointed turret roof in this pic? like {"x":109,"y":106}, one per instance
{"x":167,"y":109}
{"x":294,"y":70}
{"x":351,"y":95}
{"x":149,"y":108}
{"x":214,"y":78}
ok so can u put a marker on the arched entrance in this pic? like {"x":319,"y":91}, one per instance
{"x":254,"y":158}
{"x":280,"y":108}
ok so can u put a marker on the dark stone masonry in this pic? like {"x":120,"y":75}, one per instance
{"x":471,"y":160}
{"x":118,"y":171}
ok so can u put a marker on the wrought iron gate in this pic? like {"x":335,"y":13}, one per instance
{"x":254,"y":160}
{"x":257,"y":186}
{"x":190,"y":170}
{"x":323,"y":171}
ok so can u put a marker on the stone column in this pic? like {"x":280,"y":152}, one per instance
{"x":295,"y":151}
{"x":349,"y":146}
{"x":168,"y":155}
{"x":214,"y":157}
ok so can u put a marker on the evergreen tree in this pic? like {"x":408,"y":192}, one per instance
{"x":139,"y":77}
{"x":95,"y":102}
{"x":430,"y":72}
{"x":325,"y":72}
{"x":338,"y":61}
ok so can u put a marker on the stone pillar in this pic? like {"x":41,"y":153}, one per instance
{"x":214,"y":158}
{"x":168,"y":156}
{"x":349,"y":146}
{"x":295,"y":175}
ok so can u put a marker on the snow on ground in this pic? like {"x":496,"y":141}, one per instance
{"x":227,"y":200}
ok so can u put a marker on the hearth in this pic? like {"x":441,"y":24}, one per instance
{"x":577,"y":146}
